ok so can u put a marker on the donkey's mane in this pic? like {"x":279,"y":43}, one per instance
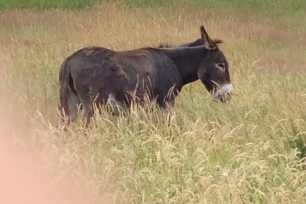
{"x":192,"y":44}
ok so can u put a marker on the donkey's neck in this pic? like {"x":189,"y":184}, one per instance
{"x":187,"y":60}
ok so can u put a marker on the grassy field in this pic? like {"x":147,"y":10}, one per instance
{"x":250,"y":150}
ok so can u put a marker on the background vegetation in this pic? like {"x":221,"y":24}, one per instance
{"x":250,"y":150}
{"x":279,"y":5}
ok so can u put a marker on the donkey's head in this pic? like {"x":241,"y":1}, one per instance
{"x":213,"y":70}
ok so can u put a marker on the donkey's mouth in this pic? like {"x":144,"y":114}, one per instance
{"x":224,"y":93}
{"x":224,"y":98}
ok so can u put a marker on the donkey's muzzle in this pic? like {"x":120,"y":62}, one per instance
{"x":224,"y":93}
{"x":226,"y":97}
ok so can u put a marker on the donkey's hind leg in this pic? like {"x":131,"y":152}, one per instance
{"x":87,"y":111}
{"x":73,"y":103}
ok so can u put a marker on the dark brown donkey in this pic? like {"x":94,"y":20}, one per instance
{"x":95,"y":75}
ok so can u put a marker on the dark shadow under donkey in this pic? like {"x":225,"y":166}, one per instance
{"x":96,"y":75}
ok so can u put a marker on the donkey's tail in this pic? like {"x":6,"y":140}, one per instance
{"x":64,"y":76}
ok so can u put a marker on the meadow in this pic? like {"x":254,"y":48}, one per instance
{"x":249,"y":150}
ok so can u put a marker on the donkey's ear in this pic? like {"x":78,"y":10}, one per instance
{"x":208,"y":42}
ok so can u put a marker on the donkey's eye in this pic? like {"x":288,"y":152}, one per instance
{"x":221,"y":65}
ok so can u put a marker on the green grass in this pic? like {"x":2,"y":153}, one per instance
{"x":280,"y":7}
{"x":45,"y":4}
{"x":250,"y":150}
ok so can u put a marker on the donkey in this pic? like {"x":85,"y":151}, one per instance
{"x":95,"y":75}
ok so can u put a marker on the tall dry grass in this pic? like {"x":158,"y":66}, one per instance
{"x":238,"y":152}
